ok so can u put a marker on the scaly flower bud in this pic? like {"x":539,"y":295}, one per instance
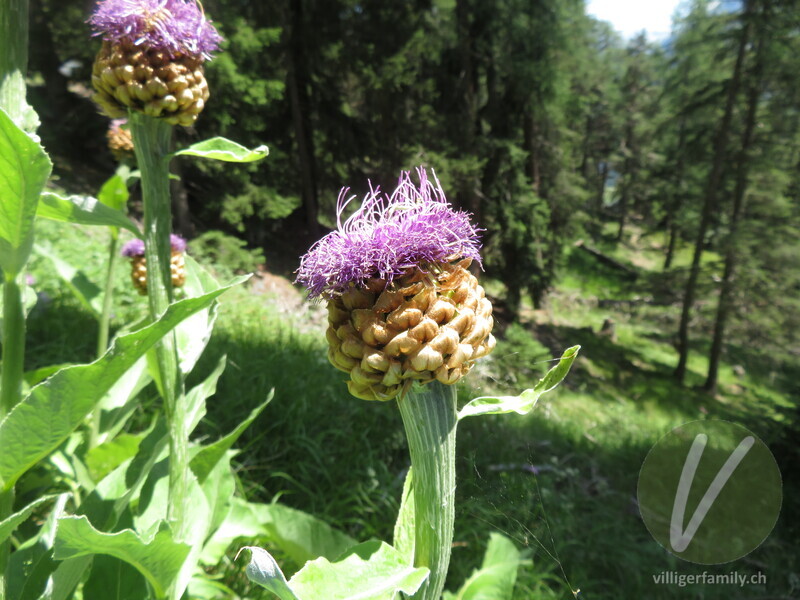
{"x":135,"y":251}
{"x":402,"y":306}
{"x":120,"y":141}
{"x":152,"y":58}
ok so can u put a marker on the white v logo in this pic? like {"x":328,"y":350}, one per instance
{"x":678,"y":538}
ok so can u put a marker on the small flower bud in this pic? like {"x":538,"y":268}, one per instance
{"x":119,"y":139}
{"x":135,"y":251}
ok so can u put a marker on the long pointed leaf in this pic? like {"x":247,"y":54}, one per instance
{"x":205,"y":460}
{"x":372,"y":571}
{"x":159,"y":559}
{"x":24,"y":169}
{"x":83,"y":210}
{"x":8,"y":525}
{"x":263,"y":570}
{"x":219,"y":148}
{"x":44,"y":419}
{"x":83,"y":288}
{"x":526,"y":401}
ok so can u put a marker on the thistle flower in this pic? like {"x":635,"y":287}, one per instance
{"x":402,"y":305}
{"x":134,"y":250}
{"x":120,"y":141}
{"x":152,"y":58}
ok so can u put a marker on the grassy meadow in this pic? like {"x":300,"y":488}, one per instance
{"x":561,"y":482}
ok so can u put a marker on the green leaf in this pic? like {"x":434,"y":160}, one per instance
{"x":44,"y":419}
{"x":301,"y":536}
{"x":119,"y":403}
{"x":219,"y":148}
{"x":263,"y":570}
{"x":159,"y":559}
{"x":114,"y":193}
{"x":373,"y":571}
{"x":205,"y":460}
{"x":120,"y":488}
{"x":7,"y":526}
{"x":113,"y":579}
{"x":24,"y":169}
{"x":526,"y":401}
{"x":403,"y":538}
{"x":196,"y":398}
{"x":151,"y":513}
{"x":242,"y":521}
{"x":496,"y":578}
{"x":370,"y":571}
{"x":85,"y":290}
{"x":204,"y":587}
{"x":193,"y":334}
{"x":218,"y":489}
{"x":31,"y":568}
{"x":83,"y":210}
{"x":39,"y":375}
{"x":103,"y":459}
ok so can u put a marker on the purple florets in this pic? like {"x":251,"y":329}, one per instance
{"x":136,"y":247}
{"x":175,"y":26}
{"x":177,"y":243}
{"x":133,"y":248}
{"x":117,"y":124}
{"x":387,"y":236}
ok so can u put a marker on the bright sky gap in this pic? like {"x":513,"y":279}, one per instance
{"x":630,"y":17}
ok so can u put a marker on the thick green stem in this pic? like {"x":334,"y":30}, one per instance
{"x":6,"y":509}
{"x":151,"y":140}
{"x":430,"y":419}
{"x":13,"y":68}
{"x":13,"y":345}
{"x":13,"y":57}
{"x":10,"y":387}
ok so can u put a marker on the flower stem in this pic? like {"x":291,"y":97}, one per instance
{"x":430,"y":419}
{"x":108,"y":296}
{"x":13,"y":68}
{"x":13,"y":345}
{"x":103,"y":326}
{"x":151,"y":139}
{"x":10,"y":387}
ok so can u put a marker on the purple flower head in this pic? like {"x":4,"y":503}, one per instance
{"x":136,"y":247}
{"x":117,"y":124}
{"x":133,"y":248}
{"x":387,"y":236}
{"x":175,"y":26}
{"x":177,"y":242}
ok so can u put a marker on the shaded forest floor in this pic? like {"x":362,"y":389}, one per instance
{"x":560,"y":482}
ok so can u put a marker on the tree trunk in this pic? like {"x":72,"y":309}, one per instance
{"x":724,"y":304}
{"x":677,"y":197}
{"x":585,"y":147}
{"x":627,"y":181}
{"x":710,"y":200}
{"x":602,"y":171}
{"x":533,"y":164}
{"x":469,"y":197}
{"x":297,"y":83}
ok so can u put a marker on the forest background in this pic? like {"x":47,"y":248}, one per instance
{"x":639,"y":198}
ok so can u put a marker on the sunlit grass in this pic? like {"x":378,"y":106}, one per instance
{"x":560,"y":482}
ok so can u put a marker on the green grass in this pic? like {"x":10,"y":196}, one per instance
{"x":560,"y":482}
